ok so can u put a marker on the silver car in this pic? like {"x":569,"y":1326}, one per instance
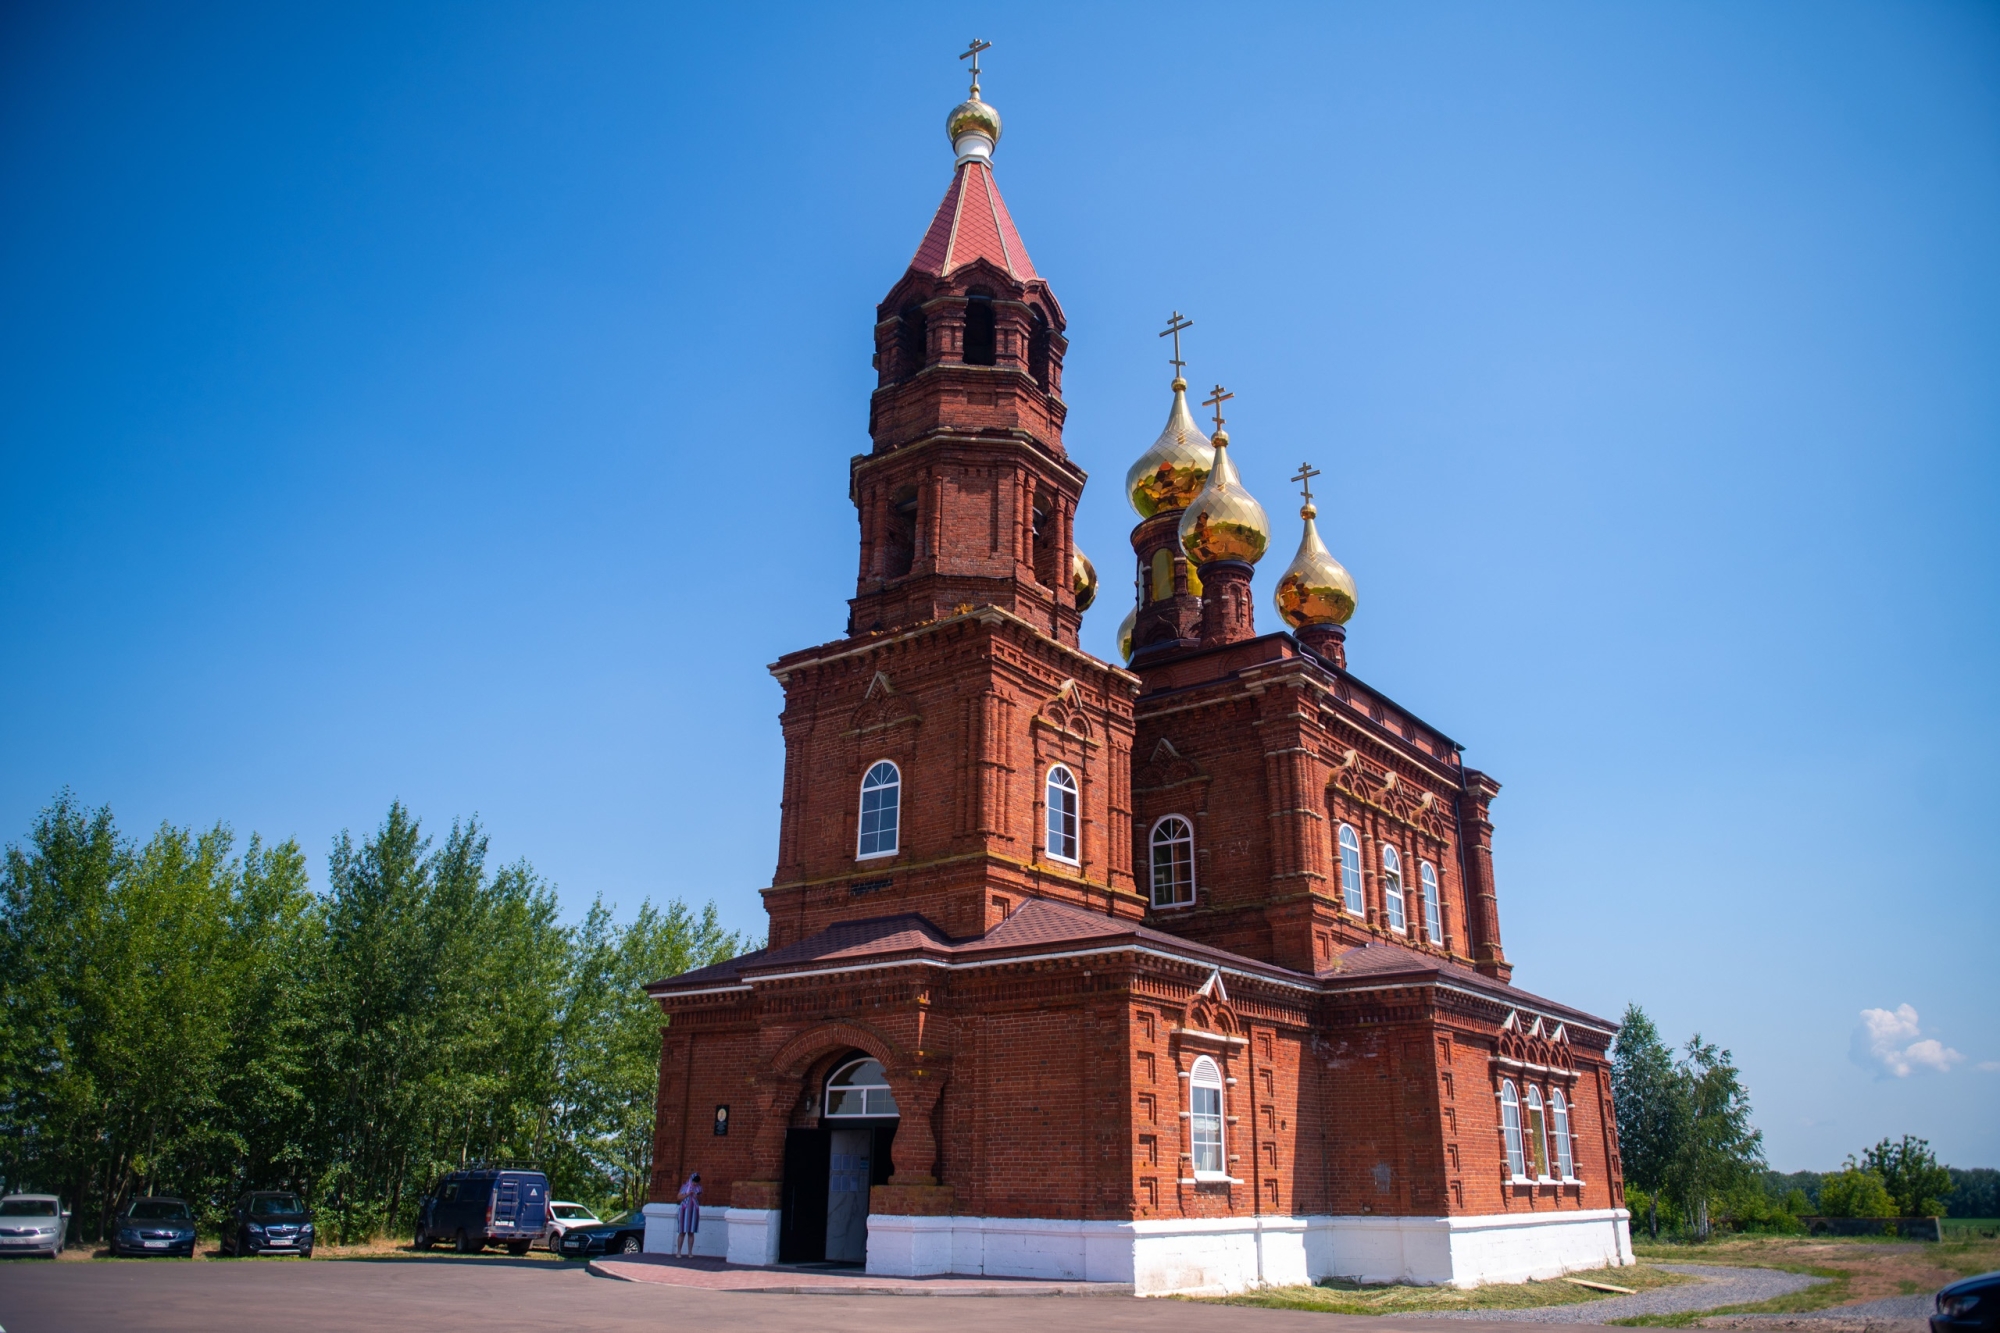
{"x":33,"y":1224}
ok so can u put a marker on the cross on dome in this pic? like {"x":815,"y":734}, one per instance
{"x":1216,"y":399}
{"x":1304,"y":477}
{"x":971,"y":52}
{"x":1174,"y":326}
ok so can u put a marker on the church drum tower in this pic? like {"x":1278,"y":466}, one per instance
{"x":1185,"y":975}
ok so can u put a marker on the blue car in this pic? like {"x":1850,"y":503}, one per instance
{"x":623,"y":1234}
{"x":154,"y":1226}
{"x":1969,"y":1306}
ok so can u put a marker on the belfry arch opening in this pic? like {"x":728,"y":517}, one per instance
{"x":981,"y":339}
{"x":836,"y":1152}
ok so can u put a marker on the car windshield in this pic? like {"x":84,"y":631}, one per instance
{"x":572,"y":1212}
{"x":160,"y":1210}
{"x":275,"y":1203}
{"x":28,"y":1208}
{"x":625,"y":1220}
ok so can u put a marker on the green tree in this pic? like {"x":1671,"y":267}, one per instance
{"x":1720,"y":1149}
{"x":1911,"y":1173}
{"x":1652,"y":1106}
{"x":1854,"y":1192}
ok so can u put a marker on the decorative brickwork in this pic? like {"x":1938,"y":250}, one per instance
{"x":988,"y":933}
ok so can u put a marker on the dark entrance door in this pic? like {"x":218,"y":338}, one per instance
{"x":816,"y":1181}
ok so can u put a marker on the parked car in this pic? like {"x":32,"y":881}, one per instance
{"x":1969,"y":1306}
{"x":484,"y":1206}
{"x":154,"y":1225}
{"x":623,"y":1234}
{"x":269,"y":1222}
{"x":564,"y":1215}
{"x":34,"y":1224}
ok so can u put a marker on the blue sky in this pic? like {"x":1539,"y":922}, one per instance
{"x":453,"y":404}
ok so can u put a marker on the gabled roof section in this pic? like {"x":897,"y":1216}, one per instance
{"x":1384,"y":963}
{"x":973,"y":223}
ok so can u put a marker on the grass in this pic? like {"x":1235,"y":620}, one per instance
{"x":1338,"y":1297}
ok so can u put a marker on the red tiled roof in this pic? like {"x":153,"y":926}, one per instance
{"x":973,"y":223}
{"x":1378,"y":962}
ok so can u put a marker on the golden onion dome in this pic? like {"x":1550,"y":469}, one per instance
{"x":1224,"y":522}
{"x":972,"y":116}
{"x":1083,"y":580}
{"x":1171,"y":473}
{"x":1125,"y":628}
{"x":1315,"y":589}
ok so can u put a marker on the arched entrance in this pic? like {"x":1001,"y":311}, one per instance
{"x":831,"y":1165}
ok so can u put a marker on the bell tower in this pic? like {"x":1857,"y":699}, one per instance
{"x":967,"y":497}
{"x":957,"y":753}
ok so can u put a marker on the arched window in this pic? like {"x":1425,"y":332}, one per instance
{"x":1565,"y":1158}
{"x":1062,"y":814}
{"x":860,"y":1088}
{"x":881,"y":810}
{"x":1038,"y":350}
{"x":1510,"y":1125}
{"x":912,"y":342}
{"x":1392,"y":888}
{"x":1350,"y":869}
{"x":979,"y":340}
{"x":1427,"y":876}
{"x":1205,"y":1118}
{"x":1163,"y":575}
{"x":1173,"y":862}
{"x":1538,"y":1133}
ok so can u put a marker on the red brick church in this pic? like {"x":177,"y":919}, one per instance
{"x":1185,"y":973}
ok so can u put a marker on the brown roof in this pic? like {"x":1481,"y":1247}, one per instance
{"x":973,"y":223}
{"x":1039,"y":927}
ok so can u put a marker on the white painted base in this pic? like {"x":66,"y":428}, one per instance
{"x":1232,"y":1254}
{"x":711,"y":1237}
{"x":753,"y":1236}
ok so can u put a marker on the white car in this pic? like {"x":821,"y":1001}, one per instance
{"x":562,"y":1216}
{"x":32,"y":1224}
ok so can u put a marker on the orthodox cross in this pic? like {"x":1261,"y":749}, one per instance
{"x":971,"y":53}
{"x":1304,"y":477}
{"x":1215,"y":400}
{"x":1174,"y":326}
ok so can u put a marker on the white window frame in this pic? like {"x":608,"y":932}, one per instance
{"x":1565,"y":1149}
{"x":861,"y":815}
{"x":1153,"y":844}
{"x":1510,"y":1126}
{"x":1536,"y":1123}
{"x":1050,"y":831}
{"x":1207,"y":1128}
{"x":1392,"y":890}
{"x":1427,"y":881}
{"x":1351,"y":895}
{"x":868,"y":1109}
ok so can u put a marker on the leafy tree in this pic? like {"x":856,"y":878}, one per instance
{"x":1975,"y":1193}
{"x":1652,"y":1105}
{"x":1854,"y":1192}
{"x":1911,"y":1173}
{"x":1720,"y":1150}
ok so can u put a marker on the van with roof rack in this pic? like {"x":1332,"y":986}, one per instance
{"x":472,"y":1208}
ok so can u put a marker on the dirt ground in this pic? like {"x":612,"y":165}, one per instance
{"x":1861,"y":1270}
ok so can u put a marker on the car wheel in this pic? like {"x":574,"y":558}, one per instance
{"x":423,"y":1240}
{"x":517,"y":1247}
{"x":305,"y":1252}
{"x":465,"y":1245}
{"x":632,"y":1245}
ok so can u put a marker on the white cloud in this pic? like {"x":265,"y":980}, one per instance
{"x":1890,"y":1044}
{"x":1990,"y":1066}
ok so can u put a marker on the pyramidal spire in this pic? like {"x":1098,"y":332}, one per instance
{"x":973,"y":222}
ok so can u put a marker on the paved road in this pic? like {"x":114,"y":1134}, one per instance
{"x":496,"y":1293}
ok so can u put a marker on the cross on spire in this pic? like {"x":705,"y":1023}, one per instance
{"x":1304,"y":477}
{"x":1215,"y":400}
{"x":971,"y":52}
{"x":1174,"y":326}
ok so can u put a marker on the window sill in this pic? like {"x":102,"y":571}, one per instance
{"x":1173,"y":907}
{"x":1211,"y":1178}
{"x":877,"y":856}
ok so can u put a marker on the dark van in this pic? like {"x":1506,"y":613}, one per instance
{"x":483,"y":1206}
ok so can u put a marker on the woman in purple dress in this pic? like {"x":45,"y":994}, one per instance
{"x":690,"y":1215}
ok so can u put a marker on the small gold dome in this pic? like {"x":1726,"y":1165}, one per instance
{"x":1083,"y":580}
{"x":972,"y":116}
{"x":1125,"y":628}
{"x":1315,"y":589}
{"x":1170,"y":474}
{"x":1224,"y":522}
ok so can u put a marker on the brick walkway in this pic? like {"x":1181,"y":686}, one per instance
{"x":716,"y":1275}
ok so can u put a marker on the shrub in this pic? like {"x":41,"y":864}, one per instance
{"x":1855,"y":1193}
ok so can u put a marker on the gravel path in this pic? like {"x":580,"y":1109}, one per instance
{"x":1719,"y":1286}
